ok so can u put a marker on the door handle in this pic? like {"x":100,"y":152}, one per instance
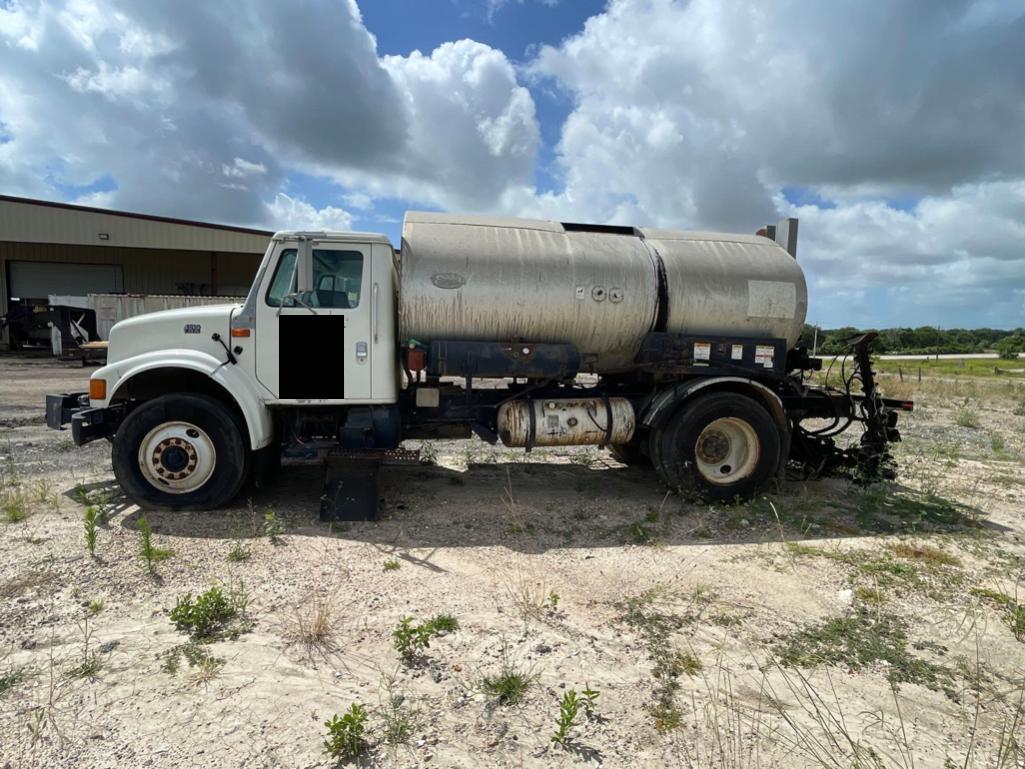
{"x":374,"y":301}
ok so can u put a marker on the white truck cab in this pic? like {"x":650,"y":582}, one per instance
{"x":318,"y":326}
{"x":316,"y":330}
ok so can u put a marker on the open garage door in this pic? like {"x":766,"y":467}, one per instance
{"x":37,"y":280}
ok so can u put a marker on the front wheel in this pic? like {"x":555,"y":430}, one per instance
{"x":720,"y":446}
{"x":181,"y":452}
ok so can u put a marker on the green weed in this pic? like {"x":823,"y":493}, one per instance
{"x":511,"y":683}
{"x":399,"y":721}
{"x":666,"y":716}
{"x":89,"y":668}
{"x":656,"y":627}
{"x":91,"y":662}
{"x":1012,"y":611}
{"x":273,"y":525}
{"x":203,"y":665}
{"x":860,"y":640}
{"x":590,"y":700}
{"x":239,"y":552}
{"x":440,"y":624}
{"x":392,"y":564}
{"x":147,"y":551}
{"x":90,"y":530}
{"x":568,"y":710}
{"x":410,"y":640}
{"x":684,"y":663}
{"x":14,"y":676}
{"x":967,"y":417}
{"x":14,"y":505}
{"x":345,"y":734}
{"x":80,"y":495}
{"x":211,"y":615}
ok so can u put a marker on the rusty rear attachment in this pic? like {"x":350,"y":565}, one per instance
{"x":856,"y":400}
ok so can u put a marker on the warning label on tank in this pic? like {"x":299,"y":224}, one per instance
{"x":702,"y":351}
{"x":737,"y":352}
{"x":764,"y":355}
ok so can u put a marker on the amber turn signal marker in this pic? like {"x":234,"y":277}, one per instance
{"x":240,"y":332}
{"x":97,"y":389}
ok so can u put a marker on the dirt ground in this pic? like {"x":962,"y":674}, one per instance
{"x":824,"y":624}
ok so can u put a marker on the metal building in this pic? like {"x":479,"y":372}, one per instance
{"x":56,"y":248}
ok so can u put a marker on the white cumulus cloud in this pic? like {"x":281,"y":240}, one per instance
{"x":295,"y":214}
{"x":201,"y":110}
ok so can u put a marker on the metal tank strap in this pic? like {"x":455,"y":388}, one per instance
{"x":532,"y":429}
{"x":608,"y":422}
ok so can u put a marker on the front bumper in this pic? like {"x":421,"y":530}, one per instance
{"x":87,"y":424}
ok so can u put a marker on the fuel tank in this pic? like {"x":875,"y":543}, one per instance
{"x":566,"y":422}
{"x":600,"y":288}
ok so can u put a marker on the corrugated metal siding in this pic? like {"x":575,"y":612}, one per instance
{"x":28,"y":223}
{"x":147,"y":271}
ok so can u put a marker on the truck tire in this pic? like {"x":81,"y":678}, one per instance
{"x":181,"y":452}
{"x":719,"y":447}
{"x":630,"y":454}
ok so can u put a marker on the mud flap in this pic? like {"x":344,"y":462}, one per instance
{"x":350,"y":490}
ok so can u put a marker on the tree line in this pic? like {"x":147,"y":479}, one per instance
{"x":924,"y":340}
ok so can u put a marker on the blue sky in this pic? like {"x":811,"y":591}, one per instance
{"x":893,"y":132}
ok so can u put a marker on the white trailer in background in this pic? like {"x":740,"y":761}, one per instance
{"x":70,"y":317}
{"x":113,"y":308}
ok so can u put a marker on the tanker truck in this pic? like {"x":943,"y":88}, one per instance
{"x":673,"y":350}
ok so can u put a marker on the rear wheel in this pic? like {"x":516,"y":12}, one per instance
{"x":720,"y":447}
{"x":181,"y":452}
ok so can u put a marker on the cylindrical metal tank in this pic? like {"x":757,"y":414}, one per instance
{"x":566,"y":422}
{"x":480,"y":278}
{"x":730,"y":285}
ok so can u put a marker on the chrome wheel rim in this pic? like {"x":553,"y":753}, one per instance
{"x":177,"y":457}
{"x":726,"y":451}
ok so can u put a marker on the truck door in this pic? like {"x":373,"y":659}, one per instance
{"x":313,"y":323}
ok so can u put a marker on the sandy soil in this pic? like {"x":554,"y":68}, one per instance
{"x":543,"y":559}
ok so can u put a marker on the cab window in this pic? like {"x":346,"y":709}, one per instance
{"x":337,"y":278}
{"x":283,"y":282}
